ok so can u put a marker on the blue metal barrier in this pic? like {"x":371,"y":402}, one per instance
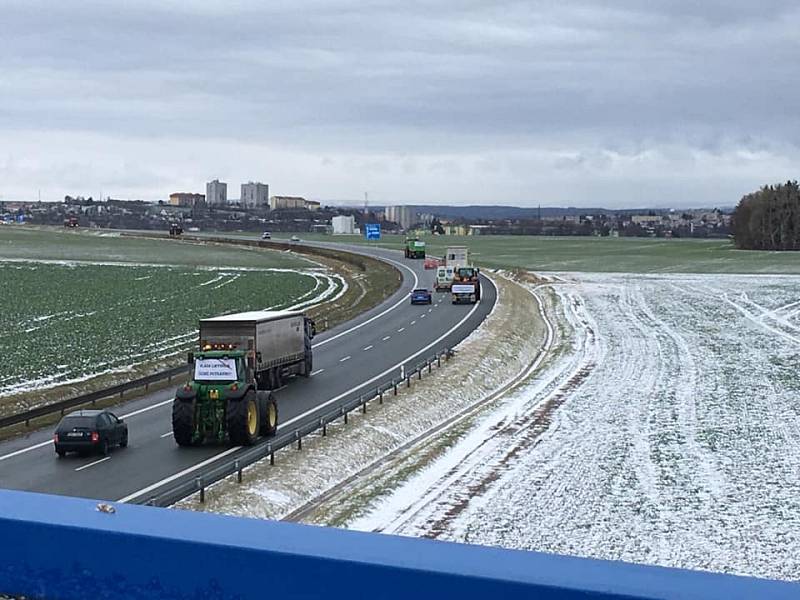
{"x":57,"y":547}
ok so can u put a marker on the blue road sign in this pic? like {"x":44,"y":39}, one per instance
{"x":372,"y":231}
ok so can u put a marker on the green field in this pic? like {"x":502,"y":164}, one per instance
{"x":23,"y":243}
{"x":628,"y":255}
{"x":78,"y":306}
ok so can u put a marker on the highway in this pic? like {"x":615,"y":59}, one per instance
{"x":349,"y":360}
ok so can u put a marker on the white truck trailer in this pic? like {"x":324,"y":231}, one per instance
{"x":279,"y":340}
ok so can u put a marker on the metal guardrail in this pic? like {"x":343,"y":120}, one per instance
{"x":268,"y":448}
{"x":91,"y":397}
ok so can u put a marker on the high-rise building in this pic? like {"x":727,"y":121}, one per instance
{"x":216,"y":193}
{"x":402,"y":215}
{"x":255,"y":195}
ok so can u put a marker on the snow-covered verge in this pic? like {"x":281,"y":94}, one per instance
{"x":506,"y":344}
{"x":668,"y":433}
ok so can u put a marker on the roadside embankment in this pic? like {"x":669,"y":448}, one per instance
{"x":336,"y":478}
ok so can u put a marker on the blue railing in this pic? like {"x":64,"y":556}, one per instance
{"x":56,"y":547}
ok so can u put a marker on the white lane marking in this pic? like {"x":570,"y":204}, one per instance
{"x":317,"y":372}
{"x":413,"y":322}
{"x":430,"y":309}
{"x":423,"y":316}
{"x":386,"y":338}
{"x":290,"y":422}
{"x":344,"y":359}
{"x":400,"y":302}
{"x":401,"y":330}
{"x":28,"y":449}
{"x":43,"y":444}
{"x":368,"y":348}
{"x":391,"y":369}
{"x":169,"y":433}
{"x":200,"y":465}
{"x":91,"y":464}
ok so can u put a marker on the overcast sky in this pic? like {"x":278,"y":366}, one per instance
{"x":607,"y":103}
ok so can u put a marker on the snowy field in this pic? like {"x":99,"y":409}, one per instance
{"x":665,"y":429}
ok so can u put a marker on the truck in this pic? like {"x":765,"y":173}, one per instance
{"x":455,"y":257}
{"x":241,"y":358}
{"x":466,"y":287}
{"x":415,"y":248}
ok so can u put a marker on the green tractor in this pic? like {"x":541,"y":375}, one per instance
{"x":222,"y":402}
{"x":415,"y":248}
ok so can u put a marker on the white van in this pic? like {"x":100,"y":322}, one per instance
{"x":444,"y":278}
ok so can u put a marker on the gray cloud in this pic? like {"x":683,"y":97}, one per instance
{"x":543,"y":99}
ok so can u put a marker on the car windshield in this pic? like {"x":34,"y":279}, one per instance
{"x":420,"y":291}
{"x":215,"y":369}
{"x":79,"y":422}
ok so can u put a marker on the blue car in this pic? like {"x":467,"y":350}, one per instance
{"x":421,"y":296}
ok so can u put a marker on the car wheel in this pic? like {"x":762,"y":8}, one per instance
{"x":124,"y":442}
{"x":104,"y":448}
{"x":61,"y":453}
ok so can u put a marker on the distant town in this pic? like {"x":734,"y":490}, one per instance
{"x":256,"y":210}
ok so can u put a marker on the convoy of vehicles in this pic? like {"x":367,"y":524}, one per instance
{"x":421,"y":296}
{"x":241,"y":358}
{"x":415,"y":248}
{"x":90,"y":431}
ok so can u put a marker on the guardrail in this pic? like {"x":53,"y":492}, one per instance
{"x":73,"y":548}
{"x":91,"y":398}
{"x":268,"y":448}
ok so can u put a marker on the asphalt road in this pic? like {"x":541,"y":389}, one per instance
{"x":349,"y":360}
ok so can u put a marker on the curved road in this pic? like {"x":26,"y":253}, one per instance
{"x":349,"y":360}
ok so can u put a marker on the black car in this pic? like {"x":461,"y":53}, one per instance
{"x":86,"y":431}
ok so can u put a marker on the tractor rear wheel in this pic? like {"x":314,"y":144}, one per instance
{"x":243,"y":419}
{"x":183,"y":413}
{"x":269,"y":414}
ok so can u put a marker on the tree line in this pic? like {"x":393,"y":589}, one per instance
{"x":769,"y":219}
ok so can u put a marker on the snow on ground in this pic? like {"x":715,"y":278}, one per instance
{"x":665,"y":430}
{"x":506,"y":344}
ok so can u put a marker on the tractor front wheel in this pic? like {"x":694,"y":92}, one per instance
{"x":269,"y":414}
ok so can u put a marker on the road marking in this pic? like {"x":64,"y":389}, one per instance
{"x":317,"y":372}
{"x":386,"y":338}
{"x":413,"y":322}
{"x":430,"y":309}
{"x":91,"y":464}
{"x":169,"y":433}
{"x":43,"y":444}
{"x":368,"y":348}
{"x":400,"y":302}
{"x":290,"y":422}
{"x":344,"y":359}
{"x":423,"y":316}
{"x":401,"y":330}
{"x":200,"y":465}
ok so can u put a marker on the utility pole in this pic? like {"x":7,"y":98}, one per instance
{"x":366,"y":204}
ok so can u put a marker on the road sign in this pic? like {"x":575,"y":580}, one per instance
{"x":372,"y":231}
